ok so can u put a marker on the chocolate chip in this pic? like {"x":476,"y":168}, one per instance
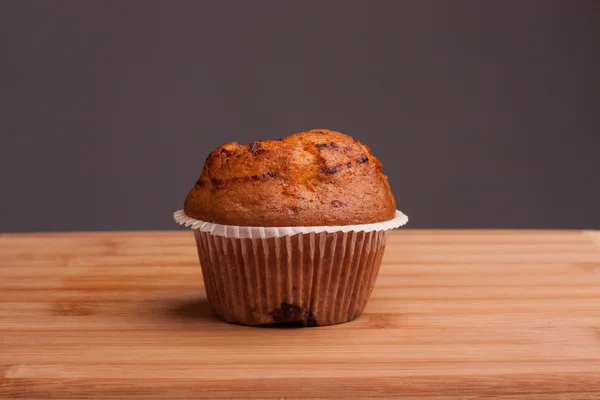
{"x":224,"y":152}
{"x":270,"y":174}
{"x":336,"y":203}
{"x":199,"y":183}
{"x":290,"y":313}
{"x":325,"y":145}
{"x":330,"y":171}
{"x":349,"y":164}
{"x":362,"y":159}
{"x":254,"y":148}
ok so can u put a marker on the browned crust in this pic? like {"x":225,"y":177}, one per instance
{"x":313,"y":178}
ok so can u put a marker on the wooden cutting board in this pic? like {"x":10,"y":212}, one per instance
{"x":454,"y":314}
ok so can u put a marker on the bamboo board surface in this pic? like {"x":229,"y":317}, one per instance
{"x":454,"y":314}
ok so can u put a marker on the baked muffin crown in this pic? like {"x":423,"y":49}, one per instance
{"x":313,"y":178}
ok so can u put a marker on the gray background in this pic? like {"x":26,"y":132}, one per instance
{"x":484,"y":114}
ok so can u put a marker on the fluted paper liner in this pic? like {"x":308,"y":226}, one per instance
{"x":267,"y":232}
{"x":314,"y":278}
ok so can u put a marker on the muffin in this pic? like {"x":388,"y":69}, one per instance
{"x":291,"y":230}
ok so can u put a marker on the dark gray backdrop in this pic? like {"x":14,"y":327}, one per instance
{"x":484,"y":114}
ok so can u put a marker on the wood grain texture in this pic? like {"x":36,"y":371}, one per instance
{"x":454,"y":315}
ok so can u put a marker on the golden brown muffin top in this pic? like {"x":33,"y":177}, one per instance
{"x":313,"y":178}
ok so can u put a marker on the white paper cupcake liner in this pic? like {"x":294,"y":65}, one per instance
{"x":308,"y":275}
{"x":258,"y":232}
{"x":313,"y":279}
